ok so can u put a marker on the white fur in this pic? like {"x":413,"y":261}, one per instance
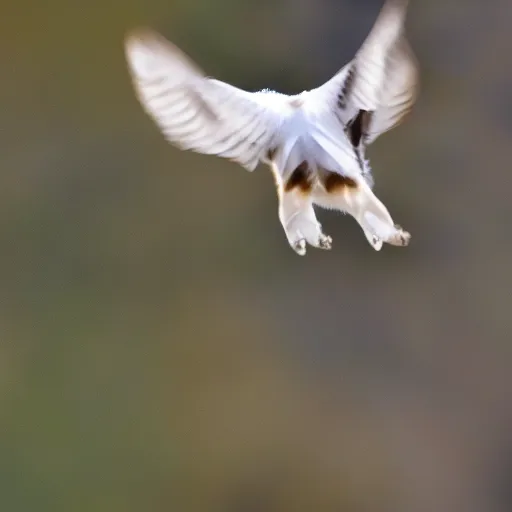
{"x":297,"y":215}
{"x":366,"y":208}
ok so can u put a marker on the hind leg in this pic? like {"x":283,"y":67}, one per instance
{"x":356,"y":198}
{"x":299,"y":222}
{"x":297,"y":214}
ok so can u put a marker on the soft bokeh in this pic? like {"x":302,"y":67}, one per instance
{"x":162,"y":348}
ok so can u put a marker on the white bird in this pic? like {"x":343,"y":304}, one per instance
{"x":314,"y":142}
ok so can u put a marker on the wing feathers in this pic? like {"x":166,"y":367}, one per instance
{"x":386,"y":76}
{"x":382,"y":78}
{"x":195,"y":112}
{"x":399,"y":92}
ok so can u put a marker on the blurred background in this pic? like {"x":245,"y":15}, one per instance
{"x":162,"y":347}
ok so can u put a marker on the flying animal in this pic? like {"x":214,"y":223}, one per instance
{"x":314,"y":142}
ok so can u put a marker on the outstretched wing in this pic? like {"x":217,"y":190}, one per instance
{"x":399,"y":91}
{"x":382,"y":79}
{"x":195,"y":112}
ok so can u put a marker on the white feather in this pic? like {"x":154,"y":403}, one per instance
{"x":208,"y":116}
{"x":382,"y":78}
{"x":196,"y":112}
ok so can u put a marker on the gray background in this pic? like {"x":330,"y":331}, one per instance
{"x":162,"y":348}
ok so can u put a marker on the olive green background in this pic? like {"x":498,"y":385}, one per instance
{"x":161,"y":346}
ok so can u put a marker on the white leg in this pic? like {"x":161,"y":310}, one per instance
{"x":358,"y":200}
{"x":297,"y":214}
{"x":299,"y":222}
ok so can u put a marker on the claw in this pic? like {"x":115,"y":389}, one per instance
{"x":405,"y":238}
{"x":376,"y":243}
{"x":325,"y":242}
{"x":401,"y":238}
{"x":300,"y":247}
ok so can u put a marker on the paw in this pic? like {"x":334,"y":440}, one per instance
{"x":297,"y":241}
{"x":405,"y":238}
{"x":324,"y":242}
{"x":307,"y":233}
{"x":314,"y":236}
{"x":375,"y":242}
{"x":400,"y":238}
{"x":299,"y":246}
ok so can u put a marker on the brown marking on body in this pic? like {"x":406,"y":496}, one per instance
{"x":334,"y":182}
{"x":301,"y":178}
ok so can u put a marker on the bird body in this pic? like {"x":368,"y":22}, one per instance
{"x":314,"y":142}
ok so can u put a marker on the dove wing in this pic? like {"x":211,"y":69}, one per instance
{"x":382,"y":80}
{"x":195,"y":112}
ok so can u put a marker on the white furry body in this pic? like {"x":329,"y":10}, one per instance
{"x":303,"y":138}
{"x":314,"y":142}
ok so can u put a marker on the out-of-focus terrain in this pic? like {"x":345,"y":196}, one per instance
{"x":161,"y":346}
